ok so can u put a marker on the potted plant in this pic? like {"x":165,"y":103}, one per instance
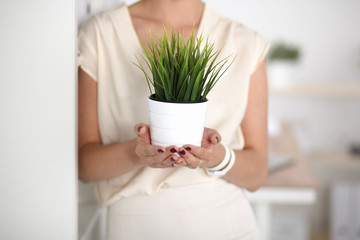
{"x":282,"y":60}
{"x":182,"y":75}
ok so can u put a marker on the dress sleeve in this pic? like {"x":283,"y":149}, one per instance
{"x":87,"y":49}
{"x":261,"y":49}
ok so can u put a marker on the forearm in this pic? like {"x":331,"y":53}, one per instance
{"x":249,"y":170}
{"x":98,"y":162}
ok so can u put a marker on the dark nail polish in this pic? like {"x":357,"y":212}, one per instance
{"x":188,"y":148}
{"x":182,"y":152}
{"x":217,"y":139}
{"x":160,"y":151}
{"x":173,"y":150}
{"x":172,"y":159}
{"x":139,"y":128}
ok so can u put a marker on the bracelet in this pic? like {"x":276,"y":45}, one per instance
{"x":226,"y":166}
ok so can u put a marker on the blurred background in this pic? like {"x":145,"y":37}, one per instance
{"x":313,"y":190}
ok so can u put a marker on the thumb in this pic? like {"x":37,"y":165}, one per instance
{"x":142,"y":130}
{"x":212,"y":136}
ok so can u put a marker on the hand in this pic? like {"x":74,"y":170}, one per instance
{"x":154,"y":156}
{"x":210,"y":153}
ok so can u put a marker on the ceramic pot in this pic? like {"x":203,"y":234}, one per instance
{"x":176,"y":123}
{"x":281,"y":73}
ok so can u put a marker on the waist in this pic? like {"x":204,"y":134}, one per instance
{"x":204,"y":195}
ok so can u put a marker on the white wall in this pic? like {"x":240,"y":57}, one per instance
{"x":38,"y":120}
{"x":326,"y":31}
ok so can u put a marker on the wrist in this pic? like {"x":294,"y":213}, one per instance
{"x":218,"y":156}
{"x":224,"y":166}
{"x":136,"y":160}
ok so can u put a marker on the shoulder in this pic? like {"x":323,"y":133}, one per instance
{"x":232,"y":29}
{"x":105,"y":19}
{"x":237,"y":38}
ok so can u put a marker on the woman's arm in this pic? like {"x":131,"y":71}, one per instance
{"x":250,"y":168}
{"x":99,"y":162}
{"x":96,"y":161}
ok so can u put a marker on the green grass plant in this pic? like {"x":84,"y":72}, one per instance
{"x":182,"y":71}
{"x":284,"y":52}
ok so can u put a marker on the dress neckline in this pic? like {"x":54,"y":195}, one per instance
{"x":137,"y":42}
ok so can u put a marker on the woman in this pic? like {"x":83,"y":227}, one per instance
{"x":150,"y":191}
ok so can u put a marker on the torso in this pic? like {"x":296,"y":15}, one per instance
{"x":123,"y":92}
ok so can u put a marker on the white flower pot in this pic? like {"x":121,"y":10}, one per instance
{"x":176,"y":123}
{"x":281,"y":73}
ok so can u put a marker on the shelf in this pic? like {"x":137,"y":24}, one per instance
{"x":299,"y":173}
{"x":316,"y":90}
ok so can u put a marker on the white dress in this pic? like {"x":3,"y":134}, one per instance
{"x":174,"y":203}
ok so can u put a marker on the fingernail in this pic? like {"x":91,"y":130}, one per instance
{"x":173,"y":150}
{"x":174,"y":165}
{"x":172,"y":159}
{"x":217,"y":139}
{"x":188,"y":148}
{"x":182,"y":152}
{"x":160,"y":151}
{"x":139,"y":128}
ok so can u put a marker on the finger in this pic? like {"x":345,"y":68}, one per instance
{"x":171,"y":161}
{"x":199,"y":152}
{"x":212,"y":136}
{"x":144,"y":149}
{"x":179,"y":161}
{"x":138,"y":127}
{"x":190,"y":160}
{"x":159,"y":159}
{"x":172,"y":149}
{"x":215,"y":139}
{"x":143,"y":132}
{"x":144,"y":146}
